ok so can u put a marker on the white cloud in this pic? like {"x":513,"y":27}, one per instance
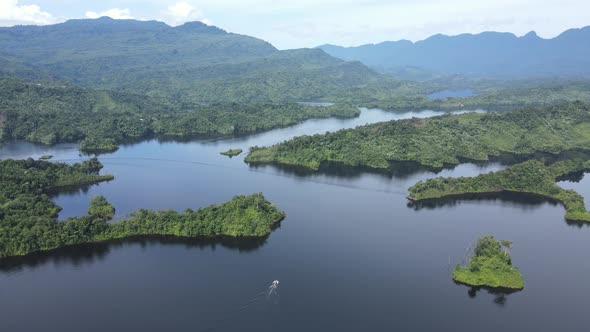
{"x":116,"y":13}
{"x":182,"y":12}
{"x":11,"y":13}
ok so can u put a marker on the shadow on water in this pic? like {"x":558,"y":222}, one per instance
{"x":74,"y":190}
{"x":406,"y":169}
{"x":400,"y":170}
{"x":520,"y":199}
{"x":89,"y":253}
{"x":523,"y":199}
{"x":500,"y":294}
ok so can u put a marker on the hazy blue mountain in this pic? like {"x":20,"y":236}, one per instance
{"x":491,"y":54}
{"x":192,"y":61}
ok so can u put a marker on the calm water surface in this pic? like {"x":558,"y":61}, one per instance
{"x":350,"y":256}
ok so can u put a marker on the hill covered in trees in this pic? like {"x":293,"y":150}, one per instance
{"x":488,"y":54}
{"x":192,"y":62}
{"x":439,"y":141}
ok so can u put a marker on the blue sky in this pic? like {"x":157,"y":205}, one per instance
{"x":308,"y":23}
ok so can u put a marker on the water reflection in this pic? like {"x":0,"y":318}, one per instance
{"x":399,"y":170}
{"x":74,"y":255}
{"x":500,"y":294}
{"x":521,"y":199}
{"x":89,"y":253}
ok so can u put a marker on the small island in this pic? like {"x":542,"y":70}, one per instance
{"x":98,"y":145}
{"x":490,"y":266}
{"x":232,"y":152}
{"x":46,"y":157}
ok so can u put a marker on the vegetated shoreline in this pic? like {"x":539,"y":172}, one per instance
{"x":530,"y":178}
{"x":439,"y":141}
{"x":29,"y":217}
{"x":504,"y":158}
{"x":100,"y":120}
{"x":106,"y":238}
{"x":192,"y":137}
{"x":499,"y":289}
{"x":156,"y":236}
{"x":97,"y":150}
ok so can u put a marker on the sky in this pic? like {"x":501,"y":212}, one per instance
{"x":309,"y":23}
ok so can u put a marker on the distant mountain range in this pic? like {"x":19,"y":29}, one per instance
{"x":193,"y":61}
{"x":488,"y":54}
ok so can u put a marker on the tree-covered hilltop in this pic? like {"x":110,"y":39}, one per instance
{"x":439,"y":141}
{"x":490,"y":265}
{"x":28,"y":218}
{"x":531,"y":177}
{"x":192,"y":62}
{"x":49,"y":113}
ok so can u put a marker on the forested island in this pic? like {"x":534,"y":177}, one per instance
{"x":490,"y":265}
{"x":530,"y":177}
{"x":29,"y":218}
{"x":439,"y":141}
{"x":53,"y":112}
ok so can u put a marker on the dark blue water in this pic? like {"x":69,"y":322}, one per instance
{"x":452,"y":93}
{"x":351,"y":254}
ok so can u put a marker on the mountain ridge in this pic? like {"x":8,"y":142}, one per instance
{"x":488,"y":54}
{"x":192,"y":61}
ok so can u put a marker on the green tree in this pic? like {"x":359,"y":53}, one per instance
{"x":99,"y":207}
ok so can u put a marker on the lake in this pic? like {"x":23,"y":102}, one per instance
{"x":350,"y":256}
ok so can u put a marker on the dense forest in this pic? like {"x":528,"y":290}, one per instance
{"x":531,"y":177}
{"x":490,"y":265}
{"x":51,"y":113}
{"x":28,"y":218}
{"x":439,"y":141}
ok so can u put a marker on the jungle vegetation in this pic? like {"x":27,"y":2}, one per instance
{"x":439,"y":141}
{"x":51,"y":112}
{"x":28,"y":218}
{"x":530,"y":177}
{"x":490,"y":265}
